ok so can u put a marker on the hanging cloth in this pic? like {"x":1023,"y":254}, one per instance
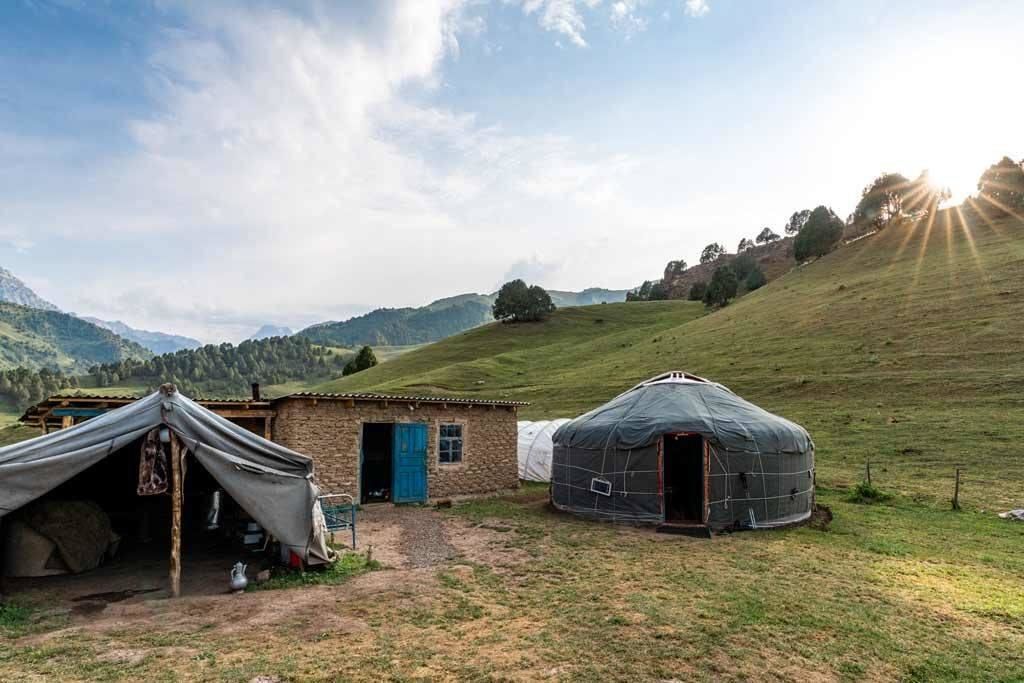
{"x":153,"y":466}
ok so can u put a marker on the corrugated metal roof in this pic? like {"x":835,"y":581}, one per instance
{"x":53,"y":401}
{"x":358,"y":396}
{"x":104,"y":397}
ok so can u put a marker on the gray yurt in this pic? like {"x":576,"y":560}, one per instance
{"x":680,"y":450}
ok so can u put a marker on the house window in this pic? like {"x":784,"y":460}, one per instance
{"x":449,"y":444}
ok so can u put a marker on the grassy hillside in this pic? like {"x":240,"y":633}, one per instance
{"x":36,"y":338}
{"x":437,"y":320}
{"x":902,"y":348}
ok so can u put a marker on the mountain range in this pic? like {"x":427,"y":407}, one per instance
{"x":157,"y":342}
{"x":34,"y":333}
{"x":435,"y":321}
{"x":35,"y":338}
{"x":268,"y":331}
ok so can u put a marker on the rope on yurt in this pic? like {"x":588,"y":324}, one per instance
{"x":714,"y":426}
{"x":728,"y":475}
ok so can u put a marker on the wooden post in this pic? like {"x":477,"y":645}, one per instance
{"x":956,"y":491}
{"x":869,"y":473}
{"x":67,"y":421}
{"x":176,"y":499}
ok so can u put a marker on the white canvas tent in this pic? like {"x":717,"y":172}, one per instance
{"x":535,"y":448}
{"x":270,"y":482}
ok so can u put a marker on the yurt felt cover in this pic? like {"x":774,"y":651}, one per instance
{"x":759,"y":461}
{"x":270,"y":482}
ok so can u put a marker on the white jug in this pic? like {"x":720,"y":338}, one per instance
{"x":238,"y":580}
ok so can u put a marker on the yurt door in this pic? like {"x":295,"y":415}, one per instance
{"x":410,"y":465}
{"x":684,"y":478}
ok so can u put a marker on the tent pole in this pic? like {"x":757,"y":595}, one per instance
{"x":176,"y":497}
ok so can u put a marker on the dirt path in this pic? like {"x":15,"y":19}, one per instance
{"x":407,"y":537}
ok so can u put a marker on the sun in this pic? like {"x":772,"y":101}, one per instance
{"x":958,"y":175}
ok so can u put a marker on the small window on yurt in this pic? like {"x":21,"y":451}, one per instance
{"x":449,"y":444}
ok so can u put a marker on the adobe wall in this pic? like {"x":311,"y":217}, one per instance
{"x":329,"y":431}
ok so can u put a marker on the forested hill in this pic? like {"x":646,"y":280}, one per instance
{"x":34,"y":339}
{"x":225,"y":370}
{"x":157,"y":342}
{"x":401,"y":326}
{"x":435,"y":321}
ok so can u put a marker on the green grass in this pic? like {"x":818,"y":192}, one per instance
{"x":14,"y":618}
{"x":347,"y":565}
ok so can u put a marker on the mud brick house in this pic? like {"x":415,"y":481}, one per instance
{"x":374,"y":447}
{"x":402,"y":448}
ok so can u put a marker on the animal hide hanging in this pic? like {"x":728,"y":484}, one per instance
{"x":153,"y":466}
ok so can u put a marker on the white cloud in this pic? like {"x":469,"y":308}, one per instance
{"x":696,"y":8}
{"x":561,"y":16}
{"x":290,"y":172}
{"x":625,"y":16}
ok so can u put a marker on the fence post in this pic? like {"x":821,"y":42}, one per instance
{"x":869,"y":473}
{"x":956,"y":491}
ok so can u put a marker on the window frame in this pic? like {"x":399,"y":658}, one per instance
{"x":460,"y":440}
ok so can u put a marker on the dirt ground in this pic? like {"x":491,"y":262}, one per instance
{"x":412,"y":543}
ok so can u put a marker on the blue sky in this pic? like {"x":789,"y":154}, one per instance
{"x":204,"y":168}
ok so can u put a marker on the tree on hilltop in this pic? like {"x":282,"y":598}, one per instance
{"x":676,"y":267}
{"x":1002,"y":184}
{"x":712,"y":252}
{"x":796,"y":221}
{"x":517,"y":302}
{"x":744,"y":245}
{"x":766,"y":236}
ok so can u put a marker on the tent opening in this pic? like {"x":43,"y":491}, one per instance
{"x":98,"y":529}
{"x":684,"y":477}
{"x":375,"y":473}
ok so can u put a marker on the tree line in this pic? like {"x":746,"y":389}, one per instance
{"x":889,"y":198}
{"x":24,"y":387}
{"x":225,"y":368}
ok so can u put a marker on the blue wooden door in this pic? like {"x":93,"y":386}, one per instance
{"x":410,"y":463}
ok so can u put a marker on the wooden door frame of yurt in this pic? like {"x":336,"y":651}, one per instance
{"x":706,"y":457}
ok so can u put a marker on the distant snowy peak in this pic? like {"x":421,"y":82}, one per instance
{"x":15,"y":291}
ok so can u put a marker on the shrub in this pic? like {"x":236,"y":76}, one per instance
{"x":744,"y":264}
{"x":364,"y":360}
{"x":867,"y":493}
{"x":723,"y":286}
{"x":697,"y":290}
{"x":755,"y":279}
{"x":820,"y":234}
